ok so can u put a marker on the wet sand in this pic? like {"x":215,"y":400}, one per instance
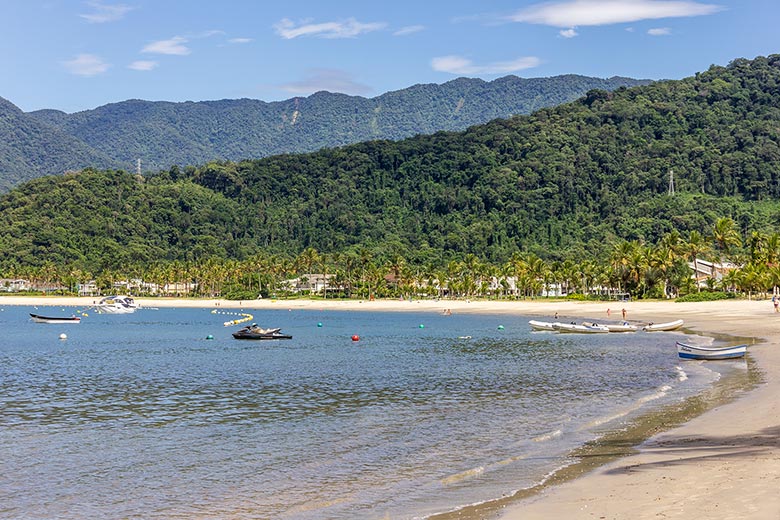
{"x":722,"y":464}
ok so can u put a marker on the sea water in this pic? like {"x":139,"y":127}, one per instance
{"x":141,"y":416}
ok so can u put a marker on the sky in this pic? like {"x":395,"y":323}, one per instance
{"x":75,"y":55}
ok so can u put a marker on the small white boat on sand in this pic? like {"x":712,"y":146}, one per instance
{"x":541,"y":325}
{"x":621,"y":327}
{"x":686,"y":351}
{"x":580,"y":329}
{"x":663,"y":327}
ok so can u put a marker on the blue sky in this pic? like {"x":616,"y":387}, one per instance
{"x":74,"y":55}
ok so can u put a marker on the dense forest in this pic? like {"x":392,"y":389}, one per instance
{"x":162,"y":134}
{"x":579,"y":184}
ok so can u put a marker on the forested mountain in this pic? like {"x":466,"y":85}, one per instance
{"x":564,"y":182}
{"x":162,"y":134}
{"x":30,"y":148}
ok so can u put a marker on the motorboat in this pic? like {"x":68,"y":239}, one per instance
{"x":663,"y":327}
{"x":255,"y":332}
{"x":686,"y":351}
{"x":116,"y":305}
{"x":592,"y":328}
{"x":621,"y":327}
{"x":37,"y":318}
{"x":541,"y":325}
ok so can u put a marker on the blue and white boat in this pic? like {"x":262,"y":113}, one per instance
{"x":686,"y":351}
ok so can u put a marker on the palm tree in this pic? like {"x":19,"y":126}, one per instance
{"x":726,"y":235}
{"x":694,"y":248}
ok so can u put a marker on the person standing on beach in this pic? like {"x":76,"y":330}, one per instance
{"x":776,"y":302}
{"x":624,"y":314}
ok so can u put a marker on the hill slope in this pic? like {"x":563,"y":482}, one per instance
{"x":563,"y":182}
{"x":30,"y":148}
{"x":162,"y":134}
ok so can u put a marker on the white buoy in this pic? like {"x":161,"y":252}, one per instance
{"x":63,"y":336}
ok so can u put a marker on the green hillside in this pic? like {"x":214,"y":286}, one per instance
{"x":566,"y":183}
{"x":30,"y":148}
{"x":162,"y":134}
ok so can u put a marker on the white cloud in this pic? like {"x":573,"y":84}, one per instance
{"x":575,"y":13}
{"x":349,"y":28}
{"x":174,"y":46}
{"x":568,"y":33}
{"x":332,"y":80}
{"x":105,"y":13}
{"x":461,"y":65}
{"x":86,"y":65}
{"x":143,"y":65}
{"x":659,"y":31}
{"x":240,"y":40}
{"x":410,"y":29}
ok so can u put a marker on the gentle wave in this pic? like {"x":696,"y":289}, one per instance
{"x":639,"y":403}
{"x":548,"y":436}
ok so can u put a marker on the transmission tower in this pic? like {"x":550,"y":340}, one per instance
{"x":671,"y":182}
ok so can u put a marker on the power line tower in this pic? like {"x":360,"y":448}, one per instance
{"x":671,"y":183}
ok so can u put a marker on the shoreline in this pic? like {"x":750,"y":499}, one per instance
{"x":724,"y":463}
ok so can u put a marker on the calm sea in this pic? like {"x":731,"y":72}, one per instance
{"x":141,"y":416}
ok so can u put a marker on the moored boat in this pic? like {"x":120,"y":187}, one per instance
{"x":37,"y":318}
{"x":686,"y":351}
{"x":541,"y":325}
{"x":663,"y":327}
{"x":116,"y":305}
{"x":621,"y":327}
{"x":255,"y":332}
{"x":580,"y":329}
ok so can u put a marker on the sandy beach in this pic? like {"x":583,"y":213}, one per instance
{"x":723,"y":464}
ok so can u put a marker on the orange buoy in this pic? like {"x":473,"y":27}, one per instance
{"x":355,"y":338}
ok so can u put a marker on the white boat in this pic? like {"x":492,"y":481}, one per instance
{"x":686,"y":351}
{"x":541,"y":325}
{"x":37,"y":318}
{"x":116,"y":305}
{"x":580,"y":329}
{"x":663,"y":327}
{"x":621,"y":327}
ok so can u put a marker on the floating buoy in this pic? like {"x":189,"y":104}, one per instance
{"x":63,"y":336}
{"x":355,"y":338}
{"x":422,"y":326}
{"x":500,"y":327}
{"x":209,"y":337}
{"x":319,"y":324}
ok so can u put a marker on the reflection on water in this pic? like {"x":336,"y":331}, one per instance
{"x":140,"y":416}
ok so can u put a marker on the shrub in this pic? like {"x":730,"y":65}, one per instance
{"x":706,"y":296}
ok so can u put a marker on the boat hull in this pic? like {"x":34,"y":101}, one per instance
{"x":663,"y":327}
{"x":37,"y":318}
{"x":580,"y":329}
{"x":116,"y":305}
{"x":258,"y":336}
{"x":621,"y":327}
{"x":541,"y":325}
{"x":694,"y":352}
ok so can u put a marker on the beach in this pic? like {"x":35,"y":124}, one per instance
{"x":724,"y":463}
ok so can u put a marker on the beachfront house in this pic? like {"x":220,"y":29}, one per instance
{"x":12,"y":285}
{"x":313,"y":283}
{"x":705,"y":273}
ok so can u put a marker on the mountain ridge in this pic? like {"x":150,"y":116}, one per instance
{"x":164,"y":133}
